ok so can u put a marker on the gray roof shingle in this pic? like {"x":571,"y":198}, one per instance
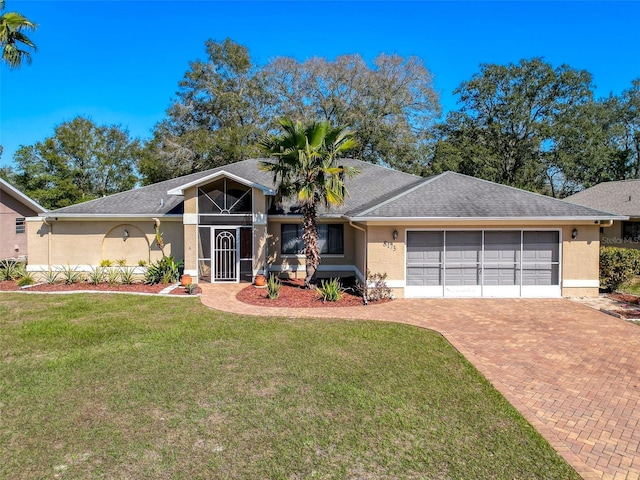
{"x":453,"y":195}
{"x":622,"y":197}
{"x":376,"y":192}
{"x":372,"y":182}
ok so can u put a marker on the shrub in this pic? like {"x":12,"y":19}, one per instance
{"x":166,"y":270}
{"x":26,"y":279}
{"x":376,"y":287}
{"x":618,"y":266}
{"x":126,"y":275}
{"x":96,"y":275}
{"x":121,"y":262}
{"x":142,"y":263}
{"x":112,"y":276}
{"x":106,"y":263}
{"x":191,"y":288}
{"x":273,"y":287}
{"x":70,"y":275}
{"x":12,"y":270}
{"x":50,"y":276}
{"x":330,"y":290}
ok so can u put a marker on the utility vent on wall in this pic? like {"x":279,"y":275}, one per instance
{"x":162,"y":202}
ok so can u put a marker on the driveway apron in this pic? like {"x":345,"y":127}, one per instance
{"x":571,"y":371}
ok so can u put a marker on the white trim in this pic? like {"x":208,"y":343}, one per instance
{"x":96,"y":217}
{"x":221,"y":173}
{"x":581,"y":283}
{"x":81,"y":268}
{"x":22,"y":197}
{"x":396,"y":284}
{"x":190,"y":219}
{"x":321,"y":268}
{"x":520,"y":220}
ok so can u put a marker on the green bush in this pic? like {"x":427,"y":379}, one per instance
{"x":330,"y":290}
{"x":26,"y":279}
{"x":376,"y":287}
{"x":71,"y":275}
{"x":96,"y":276}
{"x":166,"y":270}
{"x":618,"y":266}
{"x":10,"y":270}
{"x":273,"y":287}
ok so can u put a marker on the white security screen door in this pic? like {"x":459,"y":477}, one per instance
{"x":225,"y":255}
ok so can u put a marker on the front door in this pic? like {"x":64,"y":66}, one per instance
{"x":225,"y":254}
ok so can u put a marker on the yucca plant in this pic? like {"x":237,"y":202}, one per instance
{"x":126,"y":275}
{"x":112,"y":276}
{"x":330,"y":290}
{"x":96,"y":275}
{"x":12,"y":270}
{"x":106,"y":263}
{"x":26,"y":279}
{"x":273,"y":287}
{"x":50,"y":276}
{"x":71,"y":275}
{"x":121,"y":262}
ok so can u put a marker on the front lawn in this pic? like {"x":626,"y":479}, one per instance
{"x":100,"y":386}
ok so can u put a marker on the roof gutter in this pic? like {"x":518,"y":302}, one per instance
{"x":598,"y":219}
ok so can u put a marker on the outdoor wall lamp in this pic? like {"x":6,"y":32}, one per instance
{"x":395,"y":233}
{"x":125,"y":234}
{"x":574,"y":233}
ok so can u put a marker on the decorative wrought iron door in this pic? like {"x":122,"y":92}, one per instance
{"x":225,"y":255}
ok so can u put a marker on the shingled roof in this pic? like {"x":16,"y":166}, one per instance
{"x":375,"y":193}
{"x":155,"y":200}
{"x":622,"y":197}
{"x":453,"y":195}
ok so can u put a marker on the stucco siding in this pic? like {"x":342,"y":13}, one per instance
{"x":89,"y":242}
{"x":294,"y":265}
{"x":10,"y":210}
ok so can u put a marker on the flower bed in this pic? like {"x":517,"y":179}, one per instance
{"x":294,"y":295}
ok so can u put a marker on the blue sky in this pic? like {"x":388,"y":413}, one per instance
{"x":119,"y":62}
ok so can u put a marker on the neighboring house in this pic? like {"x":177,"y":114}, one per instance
{"x":446,"y":235}
{"x":621,"y":198}
{"x":15,"y":208}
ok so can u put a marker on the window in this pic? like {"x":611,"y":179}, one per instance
{"x":330,"y":239}
{"x":631,"y":231}
{"x":20,"y":227}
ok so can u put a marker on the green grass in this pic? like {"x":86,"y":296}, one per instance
{"x":98,"y":386}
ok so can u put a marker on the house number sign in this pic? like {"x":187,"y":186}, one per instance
{"x":390,"y":245}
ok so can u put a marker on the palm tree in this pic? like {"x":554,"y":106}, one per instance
{"x":305,"y":168}
{"x":12,"y":37}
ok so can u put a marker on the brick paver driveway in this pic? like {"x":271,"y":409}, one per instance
{"x":573,"y":372}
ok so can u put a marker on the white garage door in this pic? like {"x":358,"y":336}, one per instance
{"x":483,"y":263}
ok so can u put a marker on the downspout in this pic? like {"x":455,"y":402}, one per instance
{"x":49,"y":229}
{"x":364,"y":290}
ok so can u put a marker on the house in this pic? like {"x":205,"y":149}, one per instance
{"x":15,"y":208}
{"x":446,"y":235}
{"x":622,"y":198}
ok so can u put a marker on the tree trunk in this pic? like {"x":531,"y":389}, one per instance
{"x":310,"y":239}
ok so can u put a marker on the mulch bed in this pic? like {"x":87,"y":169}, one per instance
{"x":630,"y":305}
{"x":102,"y":287}
{"x":294,"y":295}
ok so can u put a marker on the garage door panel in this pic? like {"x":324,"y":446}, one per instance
{"x":428,"y":275}
{"x":540,"y":274}
{"x":462,"y":276}
{"x":495,"y":275}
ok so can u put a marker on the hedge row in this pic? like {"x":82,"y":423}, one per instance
{"x":618,"y":266}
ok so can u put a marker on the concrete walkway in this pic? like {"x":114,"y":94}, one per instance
{"x":573,"y":372}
